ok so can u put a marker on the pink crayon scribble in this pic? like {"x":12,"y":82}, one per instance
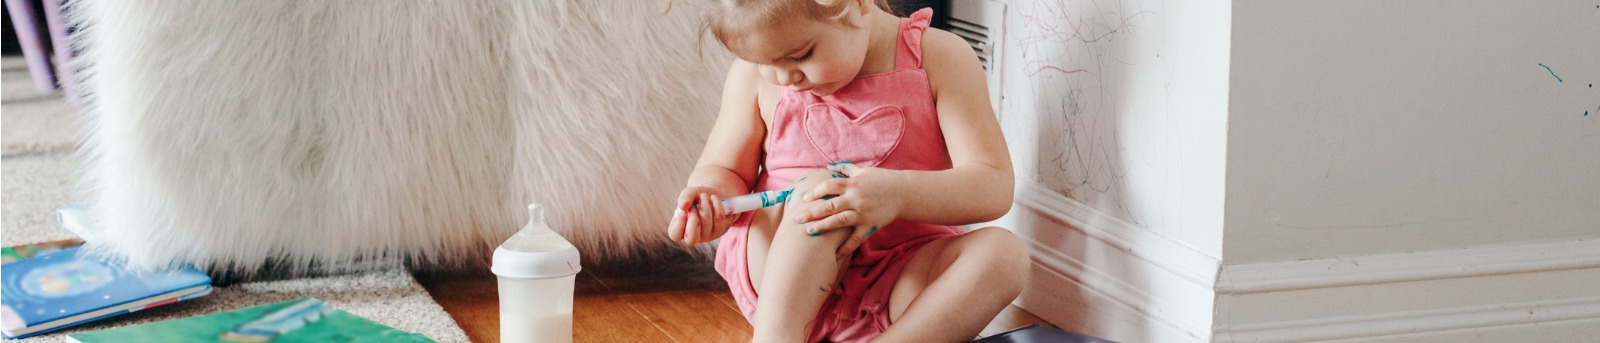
{"x":1041,"y":69}
{"x":1055,"y":38}
{"x":1050,"y":25}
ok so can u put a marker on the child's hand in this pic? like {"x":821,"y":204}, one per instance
{"x":856,"y":199}
{"x":699,"y":216}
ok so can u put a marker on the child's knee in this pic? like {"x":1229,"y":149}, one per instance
{"x":1005,"y":252}
{"x":797,"y":203}
{"x":810,"y":180}
{"x":805,"y":184}
{"x":1015,"y":253}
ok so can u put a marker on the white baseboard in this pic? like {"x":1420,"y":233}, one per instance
{"x":1515,"y":289}
{"x":1097,"y":274}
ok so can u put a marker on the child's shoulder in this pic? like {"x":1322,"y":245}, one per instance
{"x":743,"y":78}
{"x":743,"y":71}
{"x":942,"y":48}
{"x":744,"y":84}
{"x":948,"y":59}
{"x":745,"y":75}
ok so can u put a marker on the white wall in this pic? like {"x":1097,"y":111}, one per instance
{"x":1122,"y":105}
{"x":1116,"y":116}
{"x":1364,"y":127}
{"x":1423,"y":171}
{"x":1304,"y":170}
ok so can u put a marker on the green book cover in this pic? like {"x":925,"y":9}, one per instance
{"x":302,"y":320}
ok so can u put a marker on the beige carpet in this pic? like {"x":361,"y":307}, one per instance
{"x":39,"y":135}
{"x":34,"y":121}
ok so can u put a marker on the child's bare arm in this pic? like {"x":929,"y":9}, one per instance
{"x":728,"y":164}
{"x":733,"y":150}
{"x":979,"y":186}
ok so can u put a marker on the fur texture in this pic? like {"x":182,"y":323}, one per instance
{"x":306,"y":133}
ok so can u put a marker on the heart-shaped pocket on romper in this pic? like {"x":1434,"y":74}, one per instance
{"x":863,"y":138}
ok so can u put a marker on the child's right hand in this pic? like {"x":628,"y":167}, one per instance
{"x":699,"y":216}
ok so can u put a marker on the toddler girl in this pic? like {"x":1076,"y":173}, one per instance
{"x":882,"y":128}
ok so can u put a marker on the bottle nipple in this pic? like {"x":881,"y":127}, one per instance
{"x":535,"y":214}
{"x":536,"y":236}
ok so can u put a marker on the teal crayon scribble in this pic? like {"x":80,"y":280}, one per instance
{"x":1552,"y":72}
{"x":836,"y":167}
{"x":768,"y":200}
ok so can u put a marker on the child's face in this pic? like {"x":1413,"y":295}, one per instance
{"x":805,"y":54}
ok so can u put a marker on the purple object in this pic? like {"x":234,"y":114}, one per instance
{"x":63,"y":47}
{"x":32,"y":42}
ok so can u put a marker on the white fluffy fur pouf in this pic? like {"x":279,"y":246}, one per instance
{"x":306,"y":133}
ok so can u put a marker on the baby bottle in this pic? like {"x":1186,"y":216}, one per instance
{"x":536,"y":268}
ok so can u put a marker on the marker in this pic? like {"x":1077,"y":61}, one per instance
{"x":754,"y":201}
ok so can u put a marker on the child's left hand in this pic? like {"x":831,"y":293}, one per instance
{"x":860,"y":199}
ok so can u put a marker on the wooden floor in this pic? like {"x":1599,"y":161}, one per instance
{"x":681,"y":300}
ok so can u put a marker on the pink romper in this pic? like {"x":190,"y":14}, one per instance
{"x":884,"y":120}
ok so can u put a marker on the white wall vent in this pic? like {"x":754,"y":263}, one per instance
{"x":982,"y":24}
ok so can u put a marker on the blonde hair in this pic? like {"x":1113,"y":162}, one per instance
{"x":731,"y":20}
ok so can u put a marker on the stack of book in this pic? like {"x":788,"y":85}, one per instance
{"x":49,"y":291}
{"x":50,"y":286}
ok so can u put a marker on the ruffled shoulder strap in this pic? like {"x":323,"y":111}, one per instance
{"x":909,"y":55}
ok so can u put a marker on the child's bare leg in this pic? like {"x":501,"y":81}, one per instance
{"x":955,"y":286}
{"x":796,"y":272}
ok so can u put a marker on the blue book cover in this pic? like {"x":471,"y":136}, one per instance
{"x":53,"y":291}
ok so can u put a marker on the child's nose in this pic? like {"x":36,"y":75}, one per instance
{"x":788,"y":77}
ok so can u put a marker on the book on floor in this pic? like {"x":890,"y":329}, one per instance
{"x":56,"y":290}
{"x":301,"y":320}
{"x":1040,"y":334}
{"x":21,"y":252}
